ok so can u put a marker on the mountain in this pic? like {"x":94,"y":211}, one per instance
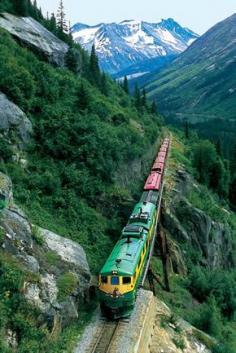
{"x":201,"y":83}
{"x":123,"y":47}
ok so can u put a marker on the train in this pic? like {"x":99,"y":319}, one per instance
{"x":122,"y":273}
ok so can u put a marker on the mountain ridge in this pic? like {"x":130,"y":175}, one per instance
{"x":130,"y":42}
{"x":202,"y":79}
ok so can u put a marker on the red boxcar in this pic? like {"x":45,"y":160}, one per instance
{"x":162,"y":154}
{"x":153,"y":181}
{"x":158,"y":167}
{"x":163,"y":148}
{"x":160,"y":159}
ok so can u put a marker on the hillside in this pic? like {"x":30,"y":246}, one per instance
{"x":66,"y":133}
{"x":132,"y":47}
{"x":200,"y":84}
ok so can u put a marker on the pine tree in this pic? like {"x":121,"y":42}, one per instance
{"x":219,"y":147}
{"x":153,"y":107}
{"x":61,"y":18}
{"x":71,"y":60}
{"x":126,"y":85}
{"x":53,"y":23}
{"x":186,"y":128}
{"x":104,"y":84}
{"x":83,"y":97}
{"x":94,"y":67}
{"x":137,"y":97}
{"x":144,"y":98}
{"x":233,"y":161}
{"x":21,"y":7}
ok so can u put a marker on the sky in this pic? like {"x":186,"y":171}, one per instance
{"x":198,"y":15}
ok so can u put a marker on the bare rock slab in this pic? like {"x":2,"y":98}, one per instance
{"x":32,"y":34}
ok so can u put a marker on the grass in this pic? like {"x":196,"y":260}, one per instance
{"x":67,"y":284}
{"x":37,"y":235}
{"x":52,"y":258}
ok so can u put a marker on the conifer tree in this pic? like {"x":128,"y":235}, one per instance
{"x":137,"y":97}
{"x":153,"y":107}
{"x":53,"y":23}
{"x":186,"y":128}
{"x":71,"y":60}
{"x":126,"y":85}
{"x":21,"y":7}
{"x":144,"y":98}
{"x":61,"y":18}
{"x":94,"y":67}
{"x":83,"y":97}
{"x":233,"y":161}
{"x":104,"y":84}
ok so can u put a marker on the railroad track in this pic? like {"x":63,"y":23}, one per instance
{"x":106,"y":339}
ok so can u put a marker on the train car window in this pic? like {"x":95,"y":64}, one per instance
{"x":115,"y":280}
{"x":126,"y":280}
{"x":104,"y":279}
{"x":139,"y":264}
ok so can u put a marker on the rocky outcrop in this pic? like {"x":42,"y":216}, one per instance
{"x":212,"y":241}
{"x":32,"y":34}
{"x":5,"y":190}
{"x":60,"y":264}
{"x":13,"y":119}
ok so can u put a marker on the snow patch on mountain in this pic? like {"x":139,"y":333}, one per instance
{"x":130,"y":42}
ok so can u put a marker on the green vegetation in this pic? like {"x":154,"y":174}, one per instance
{"x":205,"y":297}
{"x":69,"y":183}
{"x":86,"y":130}
{"x":37,"y":235}
{"x":67,"y":284}
{"x":52,"y":258}
{"x":17,"y":315}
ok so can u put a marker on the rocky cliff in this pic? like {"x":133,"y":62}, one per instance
{"x":62,"y":274}
{"x":192,"y":228}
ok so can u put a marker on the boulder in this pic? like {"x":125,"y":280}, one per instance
{"x":13,"y":118}
{"x":32,"y":34}
{"x":68,"y":250}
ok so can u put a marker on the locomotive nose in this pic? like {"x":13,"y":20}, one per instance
{"x":116,"y":293}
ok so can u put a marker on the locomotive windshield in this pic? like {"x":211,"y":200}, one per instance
{"x":115,"y":280}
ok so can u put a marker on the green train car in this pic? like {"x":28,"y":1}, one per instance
{"x":120,"y":276}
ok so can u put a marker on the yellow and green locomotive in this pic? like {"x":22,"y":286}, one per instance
{"x":120,"y":276}
{"x":122,"y":273}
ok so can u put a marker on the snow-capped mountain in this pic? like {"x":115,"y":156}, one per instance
{"x":120,"y":46}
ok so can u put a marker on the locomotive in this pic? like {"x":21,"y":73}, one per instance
{"x":121,"y":275}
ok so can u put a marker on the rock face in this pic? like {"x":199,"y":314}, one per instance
{"x":53,"y":258}
{"x":13,"y":118}
{"x":5,"y":190}
{"x":211,"y":240}
{"x":34,"y":35}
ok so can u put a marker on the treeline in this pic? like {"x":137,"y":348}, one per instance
{"x":139,"y":97}
{"x":211,"y":166}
